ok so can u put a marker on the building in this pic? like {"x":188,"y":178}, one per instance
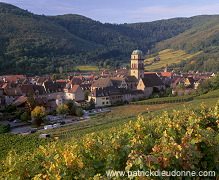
{"x":137,"y":64}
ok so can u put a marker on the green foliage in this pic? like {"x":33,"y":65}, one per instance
{"x":4,"y":128}
{"x":25,"y":117}
{"x":202,"y":38}
{"x":164,"y":100}
{"x":62,"y":109}
{"x":91,"y":103}
{"x":180,"y":86}
{"x":33,"y":44}
{"x":10,"y":108}
{"x":208,"y":85}
{"x":79,"y":112}
{"x":38,"y":113}
{"x":19,"y":144}
{"x":184,"y":140}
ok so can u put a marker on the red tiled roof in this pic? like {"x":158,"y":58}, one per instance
{"x":150,"y":72}
{"x":74,"y":89}
{"x":20,"y":100}
{"x":121,"y":70}
{"x":168,"y":74}
{"x":10,"y":79}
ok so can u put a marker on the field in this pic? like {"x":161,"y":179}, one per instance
{"x":88,"y":68}
{"x":169,"y":57}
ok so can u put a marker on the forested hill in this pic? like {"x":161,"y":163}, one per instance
{"x":38,"y":44}
{"x":203,"y":38}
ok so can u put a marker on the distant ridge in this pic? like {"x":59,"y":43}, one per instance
{"x":38,"y":44}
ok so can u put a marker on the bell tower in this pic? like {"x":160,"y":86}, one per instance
{"x":137,"y":64}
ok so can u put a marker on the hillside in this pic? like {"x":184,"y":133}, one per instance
{"x":203,"y":38}
{"x":38,"y":44}
{"x":167,"y":57}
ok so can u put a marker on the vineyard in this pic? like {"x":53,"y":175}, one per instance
{"x":168,"y":56}
{"x":163,"y":100}
{"x":103,"y":121}
{"x":185,"y":140}
{"x":19,"y":144}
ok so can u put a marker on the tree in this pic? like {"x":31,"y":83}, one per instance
{"x":79,"y":112}
{"x":38,"y":113}
{"x":60,"y":70}
{"x":62,"y":109}
{"x":86,"y":93}
{"x":30,"y":104}
{"x":92,"y":103}
{"x":10,"y":108}
{"x":25,"y":117}
{"x":180,"y":86}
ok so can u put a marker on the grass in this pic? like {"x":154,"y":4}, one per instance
{"x":88,"y":68}
{"x":167,"y":56}
{"x":212,"y":94}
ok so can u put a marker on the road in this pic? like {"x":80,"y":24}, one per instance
{"x":22,"y":128}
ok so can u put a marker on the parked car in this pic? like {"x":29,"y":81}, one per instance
{"x":10,"y":120}
{"x":17,"y":121}
{"x":33,"y":131}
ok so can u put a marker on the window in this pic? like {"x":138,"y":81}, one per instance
{"x":107,"y":102}
{"x":103,"y":102}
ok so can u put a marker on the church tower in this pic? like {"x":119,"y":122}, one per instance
{"x":137,"y":64}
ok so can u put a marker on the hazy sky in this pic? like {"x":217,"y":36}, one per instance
{"x":118,"y":11}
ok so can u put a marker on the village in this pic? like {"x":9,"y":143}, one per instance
{"x":109,"y":88}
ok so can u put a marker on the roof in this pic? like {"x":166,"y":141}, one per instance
{"x":121,"y":70}
{"x":50,"y":86}
{"x":137,"y":52}
{"x":107,"y":91}
{"x":13,"y":91}
{"x":102,"y":82}
{"x":75,"y":81}
{"x":27,"y":89}
{"x":41,"y":100}
{"x":151,"y":80}
{"x":20,"y":100}
{"x":79,"y":77}
{"x":131,"y":79}
{"x":40,"y":89}
{"x":13,"y":79}
{"x":74,"y":89}
{"x":117,"y":81}
{"x":168,"y":74}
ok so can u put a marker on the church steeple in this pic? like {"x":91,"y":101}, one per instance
{"x":137,"y":64}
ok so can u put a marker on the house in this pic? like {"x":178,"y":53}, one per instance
{"x":75,"y":93}
{"x":100,"y":83}
{"x":189,"y":82}
{"x":111,"y":95}
{"x":150,"y":83}
{"x":101,"y":96}
{"x":119,"y":82}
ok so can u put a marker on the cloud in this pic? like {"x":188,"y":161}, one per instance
{"x":163,"y":12}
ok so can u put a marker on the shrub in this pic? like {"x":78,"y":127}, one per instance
{"x":4,"y":128}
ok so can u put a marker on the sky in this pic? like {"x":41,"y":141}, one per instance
{"x":118,"y":11}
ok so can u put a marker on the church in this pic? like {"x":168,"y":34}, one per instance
{"x":136,"y":85}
